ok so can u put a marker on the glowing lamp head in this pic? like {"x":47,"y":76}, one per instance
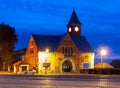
{"x":47,"y":50}
{"x":103,"y":52}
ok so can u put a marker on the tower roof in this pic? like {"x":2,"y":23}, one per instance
{"x":74,"y":19}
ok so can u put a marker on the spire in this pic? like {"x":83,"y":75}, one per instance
{"x":74,"y":25}
{"x":74,"y":19}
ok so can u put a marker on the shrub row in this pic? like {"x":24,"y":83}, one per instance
{"x":100,"y":71}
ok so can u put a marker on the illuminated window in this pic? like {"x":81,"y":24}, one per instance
{"x":76,"y":29}
{"x":86,"y":65}
{"x":67,"y":50}
{"x":86,"y":58}
{"x":70,"y":29}
{"x":31,"y":50}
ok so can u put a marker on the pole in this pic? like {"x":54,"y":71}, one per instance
{"x":101,"y":62}
{"x":45,"y":67}
{"x":45,"y":70}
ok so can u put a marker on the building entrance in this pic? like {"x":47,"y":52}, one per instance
{"x":67,"y":66}
{"x":24,"y":68}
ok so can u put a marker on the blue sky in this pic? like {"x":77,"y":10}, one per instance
{"x":100,"y":20}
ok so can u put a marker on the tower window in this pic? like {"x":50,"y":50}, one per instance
{"x":70,"y":29}
{"x":76,"y":29}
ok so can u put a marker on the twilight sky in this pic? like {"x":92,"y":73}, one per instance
{"x":100,"y":20}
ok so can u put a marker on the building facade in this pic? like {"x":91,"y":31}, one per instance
{"x":69,"y":52}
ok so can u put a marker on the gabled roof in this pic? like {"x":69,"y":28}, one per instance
{"x":74,"y":19}
{"x":53,"y":41}
{"x":48,"y":41}
{"x":20,"y":63}
{"x":82,"y":44}
{"x":102,"y":65}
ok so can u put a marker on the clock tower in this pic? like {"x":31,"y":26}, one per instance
{"x":74,"y":25}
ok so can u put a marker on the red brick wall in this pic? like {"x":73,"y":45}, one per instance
{"x":67,"y":41}
{"x":32,"y":59}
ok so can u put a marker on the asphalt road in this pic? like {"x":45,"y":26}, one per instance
{"x":59,"y":81}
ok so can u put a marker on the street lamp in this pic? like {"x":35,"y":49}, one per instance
{"x":103,"y":52}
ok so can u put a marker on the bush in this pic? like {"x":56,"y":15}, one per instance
{"x":109,"y":71}
{"x":84,"y":71}
{"x":88,"y":71}
{"x":100,"y":71}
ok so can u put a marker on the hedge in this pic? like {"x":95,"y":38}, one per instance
{"x":100,"y":71}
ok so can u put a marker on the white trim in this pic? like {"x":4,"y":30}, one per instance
{"x":24,"y":65}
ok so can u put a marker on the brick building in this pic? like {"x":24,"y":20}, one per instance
{"x":69,"y":52}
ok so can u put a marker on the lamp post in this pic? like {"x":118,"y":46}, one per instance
{"x":103,"y":52}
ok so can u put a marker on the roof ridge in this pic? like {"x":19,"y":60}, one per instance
{"x":47,"y":35}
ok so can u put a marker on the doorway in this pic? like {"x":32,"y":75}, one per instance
{"x":67,"y":66}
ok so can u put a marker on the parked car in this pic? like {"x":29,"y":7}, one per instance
{"x":29,"y":71}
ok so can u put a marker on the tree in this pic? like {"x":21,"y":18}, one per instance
{"x":115,"y":63}
{"x":8,"y":39}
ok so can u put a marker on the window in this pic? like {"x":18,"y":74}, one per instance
{"x":70,"y":29}
{"x":67,"y":50}
{"x":86,"y":65}
{"x":86,"y":57}
{"x":76,"y":29}
{"x":31,"y":50}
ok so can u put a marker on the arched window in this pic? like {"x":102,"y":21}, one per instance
{"x":32,"y":50}
{"x":67,"y":50}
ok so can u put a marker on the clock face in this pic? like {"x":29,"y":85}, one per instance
{"x":76,"y":29}
{"x":69,"y":29}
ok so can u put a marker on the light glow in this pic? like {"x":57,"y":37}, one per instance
{"x":70,"y":29}
{"x":42,"y":58}
{"x":43,"y":55}
{"x":47,"y":50}
{"x":103,"y":52}
{"x":76,"y":29}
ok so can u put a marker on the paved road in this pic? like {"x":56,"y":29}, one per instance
{"x":59,"y":81}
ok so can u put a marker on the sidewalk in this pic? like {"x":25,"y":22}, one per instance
{"x":6,"y":72}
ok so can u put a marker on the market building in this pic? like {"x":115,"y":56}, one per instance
{"x":68,"y":52}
